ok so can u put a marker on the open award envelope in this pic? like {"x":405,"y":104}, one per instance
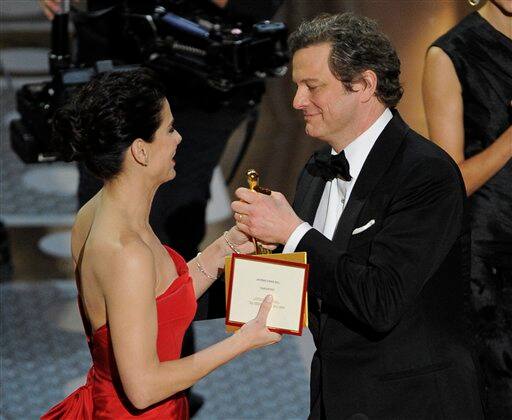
{"x":249,"y":278}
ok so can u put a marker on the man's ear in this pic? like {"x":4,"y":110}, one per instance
{"x":140,"y":152}
{"x":366,"y":85}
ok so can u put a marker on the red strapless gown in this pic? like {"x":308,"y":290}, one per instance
{"x":102,"y":396}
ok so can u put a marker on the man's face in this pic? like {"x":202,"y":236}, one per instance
{"x":329,"y":109}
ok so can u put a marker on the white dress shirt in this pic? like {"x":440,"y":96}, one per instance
{"x":337,"y":192}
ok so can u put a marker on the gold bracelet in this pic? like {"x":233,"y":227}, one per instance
{"x":230,"y":244}
{"x":202,"y":270}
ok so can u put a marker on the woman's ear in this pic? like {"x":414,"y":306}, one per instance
{"x":139,"y":152}
{"x":366,"y":85}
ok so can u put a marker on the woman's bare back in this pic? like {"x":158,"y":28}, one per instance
{"x":97,"y":232}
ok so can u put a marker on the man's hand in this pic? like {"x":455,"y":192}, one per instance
{"x":268,"y":218}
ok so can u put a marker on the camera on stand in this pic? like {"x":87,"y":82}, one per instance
{"x":195,"y":45}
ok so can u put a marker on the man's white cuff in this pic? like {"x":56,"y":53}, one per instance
{"x":295,"y":237}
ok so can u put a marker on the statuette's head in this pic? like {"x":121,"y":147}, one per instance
{"x":252,"y":178}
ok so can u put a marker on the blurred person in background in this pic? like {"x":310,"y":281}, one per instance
{"x":467,"y":92}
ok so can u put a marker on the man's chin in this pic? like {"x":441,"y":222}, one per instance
{"x":311,"y":131}
{"x":171,"y":175}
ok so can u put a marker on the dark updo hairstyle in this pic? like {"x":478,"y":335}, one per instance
{"x":356,"y":45}
{"x":101,"y":121}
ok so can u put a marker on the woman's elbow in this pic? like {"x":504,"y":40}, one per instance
{"x":143,"y":393}
{"x":140,"y":404}
{"x":138,"y":397}
{"x":138,"y":390}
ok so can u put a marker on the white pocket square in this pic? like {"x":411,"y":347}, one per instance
{"x":363,"y":228}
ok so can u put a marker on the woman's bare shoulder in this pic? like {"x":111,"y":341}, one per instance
{"x":128,"y":263}
{"x":106,"y":248}
{"x":119,"y":250}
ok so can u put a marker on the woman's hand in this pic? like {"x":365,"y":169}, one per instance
{"x":255,"y":333}
{"x":242,"y":242}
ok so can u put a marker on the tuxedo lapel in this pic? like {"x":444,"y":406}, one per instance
{"x":374,"y":168}
{"x":311,"y":200}
{"x":310,"y":193}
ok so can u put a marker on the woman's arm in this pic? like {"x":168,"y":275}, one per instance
{"x":442,"y":97}
{"x":212,"y":259}
{"x":128,"y":283}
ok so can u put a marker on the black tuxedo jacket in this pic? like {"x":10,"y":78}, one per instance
{"x":387,"y":303}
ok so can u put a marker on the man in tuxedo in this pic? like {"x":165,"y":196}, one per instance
{"x":380,"y":212}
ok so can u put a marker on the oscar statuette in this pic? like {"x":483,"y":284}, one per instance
{"x":253,"y":179}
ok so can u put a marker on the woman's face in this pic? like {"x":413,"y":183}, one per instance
{"x":164,"y":145}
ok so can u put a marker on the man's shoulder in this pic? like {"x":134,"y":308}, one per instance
{"x":419,"y":148}
{"x":422,"y":158}
{"x":412,"y":152}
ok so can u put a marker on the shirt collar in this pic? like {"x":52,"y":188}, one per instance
{"x":357,"y":151}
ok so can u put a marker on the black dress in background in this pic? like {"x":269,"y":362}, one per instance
{"x":482,"y":57}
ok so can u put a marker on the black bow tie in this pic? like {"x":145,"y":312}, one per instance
{"x":332,"y":166}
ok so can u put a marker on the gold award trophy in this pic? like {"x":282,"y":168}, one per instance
{"x":296,"y":258}
{"x":253,"y":179}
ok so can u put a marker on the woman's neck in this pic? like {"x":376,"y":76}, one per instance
{"x":497,"y":17}
{"x":131,"y":198}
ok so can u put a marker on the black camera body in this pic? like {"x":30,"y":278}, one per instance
{"x":202,"y":49}
{"x":30,"y":135}
{"x":37,"y":102}
{"x":223,"y":54}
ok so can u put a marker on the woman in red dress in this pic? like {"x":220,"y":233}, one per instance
{"x":136,"y":296}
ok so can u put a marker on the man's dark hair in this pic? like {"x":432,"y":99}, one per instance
{"x":357,"y":45}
